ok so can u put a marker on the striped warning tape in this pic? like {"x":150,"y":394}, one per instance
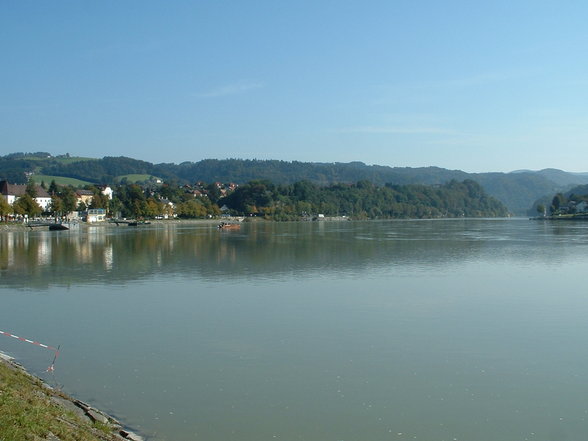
{"x":36,"y":343}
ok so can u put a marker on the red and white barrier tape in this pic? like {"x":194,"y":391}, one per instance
{"x":51,"y":368}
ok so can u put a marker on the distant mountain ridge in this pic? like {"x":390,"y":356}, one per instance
{"x":517,"y":190}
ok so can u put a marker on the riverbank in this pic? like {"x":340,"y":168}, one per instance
{"x":18,"y":226}
{"x":563,"y":217}
{"x":32,"y":410}
{"x":14,"y":226}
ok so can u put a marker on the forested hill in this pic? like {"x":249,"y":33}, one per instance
{"x":518,"y":191}
{"x":245,"y":170}
{"x":365,"y":200}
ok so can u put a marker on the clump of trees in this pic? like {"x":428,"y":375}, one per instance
{"x":132,"y":200}
{"x":576,"y":201}
{"x":364,"y":200}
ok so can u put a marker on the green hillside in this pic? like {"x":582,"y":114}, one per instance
{"x":134,"y":178}
{"x":59,"y":180}
{"x":517,"y":190}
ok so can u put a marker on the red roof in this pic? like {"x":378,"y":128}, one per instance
{"x":19,"y":190}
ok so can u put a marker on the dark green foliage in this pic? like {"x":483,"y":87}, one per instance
{"x":570,"y":203}
{"x":69,"y":199}
{"x":558,"y":202}
{"x":53,"y":188}
{"x":541,"y":209}
{"x":364,"y":200}
{"x":31,"y":189}
{"x":26,"y":205}
{"x":132,"y":200}
{"x":63,"y":199}
{"x":100,"y":171}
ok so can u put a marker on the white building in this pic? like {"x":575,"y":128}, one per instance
{"x":107,"y":191}
{"x":14,"y":191}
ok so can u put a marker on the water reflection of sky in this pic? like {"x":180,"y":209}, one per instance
{"x":268,"y":250}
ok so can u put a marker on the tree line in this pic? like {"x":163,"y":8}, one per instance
{"x":362,"y":200}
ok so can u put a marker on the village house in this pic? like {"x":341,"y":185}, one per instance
{"x":581,"y":207}
{"x":14,"y":191}
{"x":85,"y":197}
{"x":106,"y":191}
{"x":169,"y":209}
{"x":95,"y":215}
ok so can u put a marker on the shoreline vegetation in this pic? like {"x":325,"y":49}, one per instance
{"x":263,"y":199}
{"x":563,"y":217}
{"x":32,"y":410}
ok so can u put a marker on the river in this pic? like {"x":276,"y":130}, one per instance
{"x":424,"y":330}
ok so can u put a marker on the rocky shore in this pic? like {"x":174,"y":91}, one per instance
{"x":32,"y":410}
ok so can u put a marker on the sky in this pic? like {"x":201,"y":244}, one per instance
{"x":469,"y":85}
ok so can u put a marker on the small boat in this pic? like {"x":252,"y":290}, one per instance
{"x":137,"y":223}
{"x":58,"y":227}
{"x":53,"y":226}
{"x":226,"y":226}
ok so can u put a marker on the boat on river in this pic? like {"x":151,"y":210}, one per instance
{"x":137,"y":223}
{"x":53,"y":226}
{"x":58,"y":227}
{"x":228,"y":226}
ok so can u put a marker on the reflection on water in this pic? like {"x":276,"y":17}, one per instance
{"x":117,"y":255}
{"x":402,"y":330}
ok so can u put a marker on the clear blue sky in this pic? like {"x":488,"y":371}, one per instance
{"x":477,"y":86}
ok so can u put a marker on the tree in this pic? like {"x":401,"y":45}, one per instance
{"x":27,"y":205}
{"x":5,"y":208}
{"x":558,"y":201}
{"x":153,"y":208}
{"x":31,"y":188}
{"x":541,"y":209}
{"x":53,"y":187}
{"x":56,"y":205}
{"x":99,"y":200}
{"x":191,"y":209}
{"x":168,"y":210}
{"x":213,"y":192}
{"x":69,"y":199}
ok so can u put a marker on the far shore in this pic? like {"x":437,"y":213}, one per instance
{"x":20,"y":226}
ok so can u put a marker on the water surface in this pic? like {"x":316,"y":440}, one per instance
{"x":427,"y":330}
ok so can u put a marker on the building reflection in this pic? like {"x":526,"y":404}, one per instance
{"x":121,"y":255}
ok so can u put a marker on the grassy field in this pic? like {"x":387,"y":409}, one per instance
{"x":28,"y":412}
{"x":135,"y":178}
{"x":60,"y":180}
